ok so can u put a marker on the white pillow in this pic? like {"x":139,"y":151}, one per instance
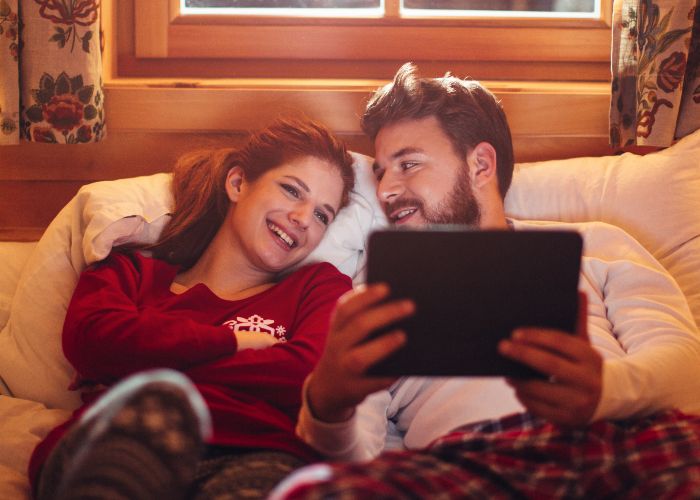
{"x":104,"y":214}
{"x":23,"y":424}
{"x":13,"y":256}
{"x":655,"y":198}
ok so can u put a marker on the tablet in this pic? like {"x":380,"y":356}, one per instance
{"x":471,"y":289}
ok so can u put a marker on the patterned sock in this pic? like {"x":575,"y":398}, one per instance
{"x":243,"y":476}
{"x":141,"y":443}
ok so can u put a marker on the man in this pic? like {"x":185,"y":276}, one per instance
{"x":602,"y":422}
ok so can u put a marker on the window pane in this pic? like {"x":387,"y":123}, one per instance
{"x":281,"y":4}
{"x":534,"y":6}
{"x":544,"y":6}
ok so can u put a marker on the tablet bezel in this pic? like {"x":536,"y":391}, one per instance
{"x":495,"y":279}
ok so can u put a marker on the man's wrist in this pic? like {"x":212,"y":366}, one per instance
{"x":324,"y":412}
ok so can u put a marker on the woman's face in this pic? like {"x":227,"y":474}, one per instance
{"x":282,"y":216}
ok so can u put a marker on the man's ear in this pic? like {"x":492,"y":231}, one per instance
{"x":234,"y":183}
{"x":482,"y":165}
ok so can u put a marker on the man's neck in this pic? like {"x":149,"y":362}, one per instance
{"x":493,"y":217}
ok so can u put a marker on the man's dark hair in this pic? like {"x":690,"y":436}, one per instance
{"x":467,"y":112}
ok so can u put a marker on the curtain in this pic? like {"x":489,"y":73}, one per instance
{"x":655,"y":77}
{"x":50,"y":71}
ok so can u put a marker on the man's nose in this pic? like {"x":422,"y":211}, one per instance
{"x":389,"y":187}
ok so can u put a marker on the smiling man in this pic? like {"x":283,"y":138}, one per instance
{"x":605,"y":422}
{"x":423,"y":182}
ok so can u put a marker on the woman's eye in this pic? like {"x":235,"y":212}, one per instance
{"x":291,"y":190}
{"x":322,"y":217}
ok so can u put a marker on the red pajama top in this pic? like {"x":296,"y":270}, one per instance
{"x":123,"y":318}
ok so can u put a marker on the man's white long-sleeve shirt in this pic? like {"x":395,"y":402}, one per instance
{"x":638,"y":319}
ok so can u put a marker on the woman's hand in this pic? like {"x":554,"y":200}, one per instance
{"x":254,"y":340}
{"x":338,"y":383}
{"x":571,"y":395}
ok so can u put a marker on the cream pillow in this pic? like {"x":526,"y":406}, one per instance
{"x":108,"y":213}
{"x":13,"y":256}
{"x":23,"y":424}
{"x":31,"y":359}
{"x":655,"y":198}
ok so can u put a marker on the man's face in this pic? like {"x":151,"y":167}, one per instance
{"x":422,"y":180}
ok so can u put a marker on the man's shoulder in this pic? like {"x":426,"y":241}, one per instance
{"x":584,"y":227}
{"x":600,"y":238}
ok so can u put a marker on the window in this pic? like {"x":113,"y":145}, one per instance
{"x":175,"y":106}
{"x":555,"y":8}
{"x":187,"y":38}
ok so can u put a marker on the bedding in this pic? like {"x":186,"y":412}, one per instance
{"x":655,"y":198}
{"x":13,"y":256}
{"x":109,"y":213}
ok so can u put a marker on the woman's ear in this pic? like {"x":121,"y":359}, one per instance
{"x":234,"y":183}
{"x":482,"y":165}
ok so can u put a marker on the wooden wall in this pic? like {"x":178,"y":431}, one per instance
{"x":151,"y":120}
{"x":36,"y":180}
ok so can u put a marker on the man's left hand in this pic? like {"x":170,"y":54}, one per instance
{"x":571,"y":394}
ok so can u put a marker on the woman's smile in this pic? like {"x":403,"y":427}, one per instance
{"x":281,"y":237}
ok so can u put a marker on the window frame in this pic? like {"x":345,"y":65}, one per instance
{"x":184,"y":96}
{"x":161,"y":35}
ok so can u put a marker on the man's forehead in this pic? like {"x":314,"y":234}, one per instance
{"x":406,"y":133}
{"x":398,"y":154}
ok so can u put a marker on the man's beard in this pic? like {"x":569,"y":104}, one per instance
{"x":459,"y":206}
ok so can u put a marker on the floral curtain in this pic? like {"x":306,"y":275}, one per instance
{"x":50,"y":71}
{"x":655,"y":71}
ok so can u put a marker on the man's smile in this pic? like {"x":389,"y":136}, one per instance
{"x":401,"y":216}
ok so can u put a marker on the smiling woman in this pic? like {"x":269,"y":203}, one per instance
{"x":203,"y":182}
{"x":218,"y":301}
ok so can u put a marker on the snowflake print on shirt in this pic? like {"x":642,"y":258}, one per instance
{"x":257,"y":323}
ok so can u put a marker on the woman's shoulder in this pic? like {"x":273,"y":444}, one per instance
{"x":321,"y":270}
{"x":133,"y":261}
{"x":318,"y":273}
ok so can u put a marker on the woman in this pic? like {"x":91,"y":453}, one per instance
{"x":216,"y":301}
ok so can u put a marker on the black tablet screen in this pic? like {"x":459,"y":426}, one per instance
{"x":471,"y":289}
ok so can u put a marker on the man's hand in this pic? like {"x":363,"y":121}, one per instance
{"x":254,"y":340}
{"x":571,"y":395}
{"x":338,"y":383}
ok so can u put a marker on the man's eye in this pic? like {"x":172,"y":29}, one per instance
{"x":291,"y":190}
{"x":406,"y":165}
{"x":322,"y":217}
{"x":378,"y":174}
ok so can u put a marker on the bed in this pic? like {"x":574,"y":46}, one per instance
{"x":654,"y":198}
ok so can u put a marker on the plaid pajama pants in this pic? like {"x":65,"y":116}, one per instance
{"x":519,"y":456}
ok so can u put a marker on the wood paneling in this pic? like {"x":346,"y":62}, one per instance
{"x":391,"y":43}
{"x":152,"y":121}
{"x":32,"y":204}
{"x":155,"y":40}
{"x":36,"y":180}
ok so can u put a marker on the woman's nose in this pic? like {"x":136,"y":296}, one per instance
{"x":301,"y":216}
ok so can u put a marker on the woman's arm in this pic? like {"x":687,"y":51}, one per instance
{"x":107,"y":336}
{"x":277,"y":373}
